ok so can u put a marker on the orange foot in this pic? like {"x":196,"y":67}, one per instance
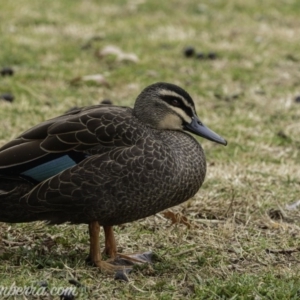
{"x":119,"y":264}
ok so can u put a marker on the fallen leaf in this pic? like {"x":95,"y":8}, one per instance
{"x":120,"y":55}
{"x":96,"y":78}
{"x":110,"y":50}
{"x":293,"y":206}
{"x":276,"y":214}
{"x":177,"y":218}
{"x":131,"y":57}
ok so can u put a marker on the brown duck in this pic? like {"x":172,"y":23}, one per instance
{"x":106,"y":165}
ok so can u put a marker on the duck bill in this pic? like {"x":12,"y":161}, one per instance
{"x":197,"y":127}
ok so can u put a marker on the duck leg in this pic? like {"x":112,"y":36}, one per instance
{"x":95,"y":254}
{"x":119,"y":258}
{"x":110,"y":242}
{"x":118,"y":264}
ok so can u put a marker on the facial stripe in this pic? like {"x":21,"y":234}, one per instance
{"x":184,"y":109}
{"x":177,"y":91}
{"x":163,"y":92}
{"x":184,"y":116}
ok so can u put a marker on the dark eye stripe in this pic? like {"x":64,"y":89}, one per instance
{"x":170,"y":98}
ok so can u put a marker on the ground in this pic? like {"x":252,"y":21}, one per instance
{"x":240,"y":238}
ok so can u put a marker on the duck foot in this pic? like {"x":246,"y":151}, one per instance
{"x":118,"y":264}
{"x":128,"y":261}
{"x":122,"y":264}
{"x":133,"y":259}
{"x":122,"y":275}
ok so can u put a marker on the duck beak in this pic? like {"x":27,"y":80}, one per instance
{"x":197,"y":127}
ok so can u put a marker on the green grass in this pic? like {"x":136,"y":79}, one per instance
{"x":246,"y":95}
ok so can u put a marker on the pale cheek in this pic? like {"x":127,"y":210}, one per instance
{"x":189,"y":120}
{"x":170,"y":122}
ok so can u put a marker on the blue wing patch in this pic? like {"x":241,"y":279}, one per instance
{"x":50,"y":168}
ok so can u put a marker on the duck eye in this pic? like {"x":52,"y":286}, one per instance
{"x":175,"y":102}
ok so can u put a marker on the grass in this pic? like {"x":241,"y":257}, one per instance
{"x":244,"y":242}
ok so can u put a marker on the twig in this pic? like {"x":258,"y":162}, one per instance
{"x":12,"y":243}
{"x":184,"y":252}
{"x":207,"y":221}
{"x":283,"y":251}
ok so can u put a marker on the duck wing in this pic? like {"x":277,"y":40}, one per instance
{"x":60,"y":143}
{"x":94,"y":189}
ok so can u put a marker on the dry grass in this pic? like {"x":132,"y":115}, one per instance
{"x":244,"y":241}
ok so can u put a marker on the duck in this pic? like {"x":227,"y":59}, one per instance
{"x":106,"y":165}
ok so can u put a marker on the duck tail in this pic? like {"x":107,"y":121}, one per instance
{"x":11,"y":190}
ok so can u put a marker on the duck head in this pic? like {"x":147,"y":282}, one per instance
{"x":166,"y":106}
